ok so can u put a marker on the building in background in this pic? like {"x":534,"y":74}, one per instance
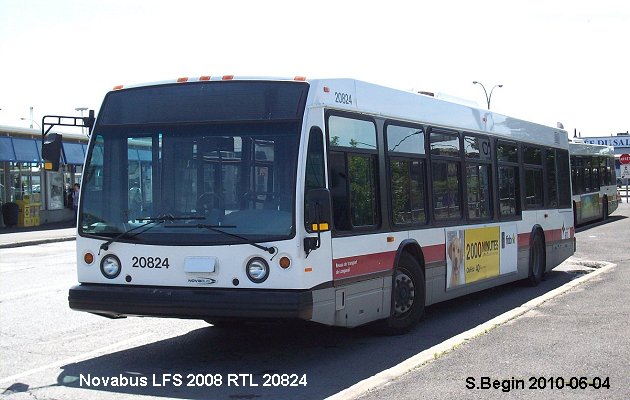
{"x":23,"y":178}
{"x":620,"y":142}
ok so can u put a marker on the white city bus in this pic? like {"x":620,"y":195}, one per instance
{"x":593,"y":181}
{"x":333,"y":201}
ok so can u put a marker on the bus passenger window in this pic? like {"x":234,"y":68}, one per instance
{"x":446,"y":195}
{"x":478,"y":186}
{"x":362,"y":176}
{"x":507,"y":190}
{"x":552,"y":183}
{"x":406,"y":151}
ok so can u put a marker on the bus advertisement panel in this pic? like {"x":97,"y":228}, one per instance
{"x":480,"y":253}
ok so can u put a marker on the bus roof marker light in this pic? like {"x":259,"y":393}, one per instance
{"x":118,"y":87}
{"x":182,"y":79}
{"x":299,"y":78}
{"x":204,"y":78}
{"x":227,"y":77}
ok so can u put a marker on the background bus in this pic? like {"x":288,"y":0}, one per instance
{"x":333,"y":201}
{"x":593,"y":181}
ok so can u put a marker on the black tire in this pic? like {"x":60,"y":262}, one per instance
{"x":537,"y":259}
{"x":408,"y":296}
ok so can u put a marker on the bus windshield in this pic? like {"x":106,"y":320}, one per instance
{"x":236,"y":176}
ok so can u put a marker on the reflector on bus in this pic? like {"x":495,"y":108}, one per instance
{"x":323,"y":227}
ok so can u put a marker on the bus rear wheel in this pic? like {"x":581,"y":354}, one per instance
{"x":536,"y":259}
{"x":408,"y":296}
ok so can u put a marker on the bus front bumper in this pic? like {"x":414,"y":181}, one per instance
{"x":195,"y":303}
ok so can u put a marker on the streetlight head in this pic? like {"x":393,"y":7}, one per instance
{"x":475,"y":82}
{"x":500,"y":85}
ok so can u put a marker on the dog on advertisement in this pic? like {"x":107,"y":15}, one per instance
{"x":454,"y":251}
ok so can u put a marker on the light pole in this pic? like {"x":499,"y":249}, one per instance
{"x":31,"y":118}
{"x":488,"y":97}
{"x":32,"y":122}
{"x":81,"y":109}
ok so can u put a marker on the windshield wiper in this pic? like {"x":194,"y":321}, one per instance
{"x":150,"y":220}
{"x":218,"y":229}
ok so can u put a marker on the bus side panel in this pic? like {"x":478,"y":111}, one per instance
{"x":562,"y":244}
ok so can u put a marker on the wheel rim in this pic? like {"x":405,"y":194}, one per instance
{"x":404,"y":293}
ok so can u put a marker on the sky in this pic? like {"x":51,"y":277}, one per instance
{"x":558,"y":60}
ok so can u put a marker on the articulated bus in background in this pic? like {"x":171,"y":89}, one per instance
{"x":333,"y":201}
{"x":593,"y":181}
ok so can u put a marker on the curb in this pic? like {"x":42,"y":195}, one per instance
{"x":36,"y":242}
{"x":388,"y":376}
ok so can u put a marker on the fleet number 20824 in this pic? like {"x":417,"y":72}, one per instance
{"x":343,"y":98}
{"x":149,"y":262}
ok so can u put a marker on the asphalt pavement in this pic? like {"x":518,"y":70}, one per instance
{"x":572,"y":343}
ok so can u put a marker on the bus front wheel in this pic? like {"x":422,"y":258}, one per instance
{"x":408,"y":295}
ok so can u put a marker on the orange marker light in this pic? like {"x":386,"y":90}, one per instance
{"x":182,"y":79}
{"x":299,"y":78}
{"x":118,"y":87}
{"x":88,"y":258}
{"x":204,"y":78}
{"x":227,"y":77}
{"x":285,"y":262}
{"x":308,"y":269}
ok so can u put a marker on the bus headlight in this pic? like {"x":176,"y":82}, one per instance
{"x":110,"y":266}
{"x":257,"y":270}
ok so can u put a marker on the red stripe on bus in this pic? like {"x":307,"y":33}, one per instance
{"x":370,"y":263}
{"x":434,"y":253}
{"x":551,"y":235}
{"x":523,"y":239}
{"x":361,"y":265}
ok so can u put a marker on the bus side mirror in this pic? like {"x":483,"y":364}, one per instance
{"x":51,"y":151}
{"x":320,"y":217}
